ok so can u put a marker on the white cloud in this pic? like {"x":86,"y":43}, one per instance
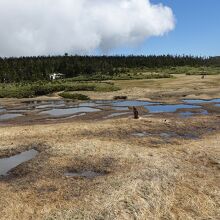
{"x":36,"y":27}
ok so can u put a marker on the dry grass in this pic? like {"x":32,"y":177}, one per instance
{"x":167,"y":90}
{"x":146,"y":178}
{"x":172,"y":89}
{"x":178,"y":179}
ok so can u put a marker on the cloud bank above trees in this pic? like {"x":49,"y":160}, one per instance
{"x":42,"y":27}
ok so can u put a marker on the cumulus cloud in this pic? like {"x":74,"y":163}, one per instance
{"x":41,"y":27}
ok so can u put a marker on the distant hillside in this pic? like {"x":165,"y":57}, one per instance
{"x":39,"y":68}
{"x":214,"y":61}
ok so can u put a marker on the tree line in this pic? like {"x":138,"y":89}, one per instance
{"x":39,"y":68}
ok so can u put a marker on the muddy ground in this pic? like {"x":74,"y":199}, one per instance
{"x":170,"y":172}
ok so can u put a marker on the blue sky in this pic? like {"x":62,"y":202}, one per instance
{"x":197,"y":30}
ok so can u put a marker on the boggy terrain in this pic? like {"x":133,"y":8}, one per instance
{"x":158,"y":167}
{"x":154,"y":176}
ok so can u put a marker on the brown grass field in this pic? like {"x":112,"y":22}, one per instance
{"x":149,"y":177}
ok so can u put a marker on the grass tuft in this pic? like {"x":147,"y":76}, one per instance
{"x":75,"y":96}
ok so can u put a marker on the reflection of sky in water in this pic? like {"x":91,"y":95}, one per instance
{"x":9,"y":116}
{"x":87,"y":104}
{"x":131,"y":103}
{"x":68,"y":108}
{"x":197,"y":101}
{"x":189,"y":114}
{"x":69,"y":111}
{"x":46,"y":102}
{"x":168,"y":108}
{"x":2,"y":109}
{"x":119,"y":108}
{"x":49,"y":106}
{"x":7,"y":164}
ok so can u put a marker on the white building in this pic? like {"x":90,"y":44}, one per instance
{"x":55,"y":76}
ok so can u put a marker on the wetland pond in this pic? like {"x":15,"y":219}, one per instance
{"x":105,"y":109}
{"x":7,"y":164}
{"x":165,"y":135}
{"x":9,"y":116}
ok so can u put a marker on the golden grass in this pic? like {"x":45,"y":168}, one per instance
{"x":167,"y":90}
{"x":147,"y":178}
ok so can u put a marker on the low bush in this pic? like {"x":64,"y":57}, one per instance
{"x":29,"y":90}
{"x":75,"y":96}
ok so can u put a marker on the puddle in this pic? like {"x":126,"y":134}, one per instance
{"x":186,"y":114}
{"x":85,"y":174}
{"x":169,"y":108}
{"x":122,"y":105}
{"x":200,"y":101}
{"x":176,"y":135}
{"x":88,"y":104}
{"x":45,"y":104}
{"x":190,"y":114}
{"x":140,"y":134}
{"x":131,"y":103}
{"x":2,"y":110}
{"x":49,"y":106}
{"x":9,"y":116}
{"x":65,"y":108}
{"x":69,"y":111}
{"x":166,"y":135}
{"x":15,"y":111}
{"x":103,"y":102}
{"x":42,"y":102}
{"x":116,"y":114}
{"x":7,"y":164}
{"x":189,"y":136}
{"x":162,"y":135}
{"x":119,"y":108}
{"x":74,"y":116}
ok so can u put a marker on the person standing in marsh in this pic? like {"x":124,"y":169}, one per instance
{"x":136,"y":114}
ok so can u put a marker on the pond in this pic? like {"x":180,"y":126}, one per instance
{"x":2,"y":109}
{"x":9,"y":116}
{"x":110,"y":108}
{"x":190,"y":114}
{"x":69,"y":111}
{"x":200,"y":101}
{"x":165,"y":135}
{"x":169,"y":108}
{"x":7,"y":164}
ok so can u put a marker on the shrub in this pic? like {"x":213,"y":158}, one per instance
{"x":28,"y":90}
{"x":74,"y":96}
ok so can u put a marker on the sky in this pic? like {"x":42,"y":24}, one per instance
{"x":140,"y":27}
{"x":197,"y":30}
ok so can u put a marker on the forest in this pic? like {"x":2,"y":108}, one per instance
{"x":32,"y":69}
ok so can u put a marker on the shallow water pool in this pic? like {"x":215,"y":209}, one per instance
{"x":200,"y":101}
{"x":168,"y":108}
{"x":9,"y":116}
{"x":7,"y":164}
{"x":69,"y":111}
